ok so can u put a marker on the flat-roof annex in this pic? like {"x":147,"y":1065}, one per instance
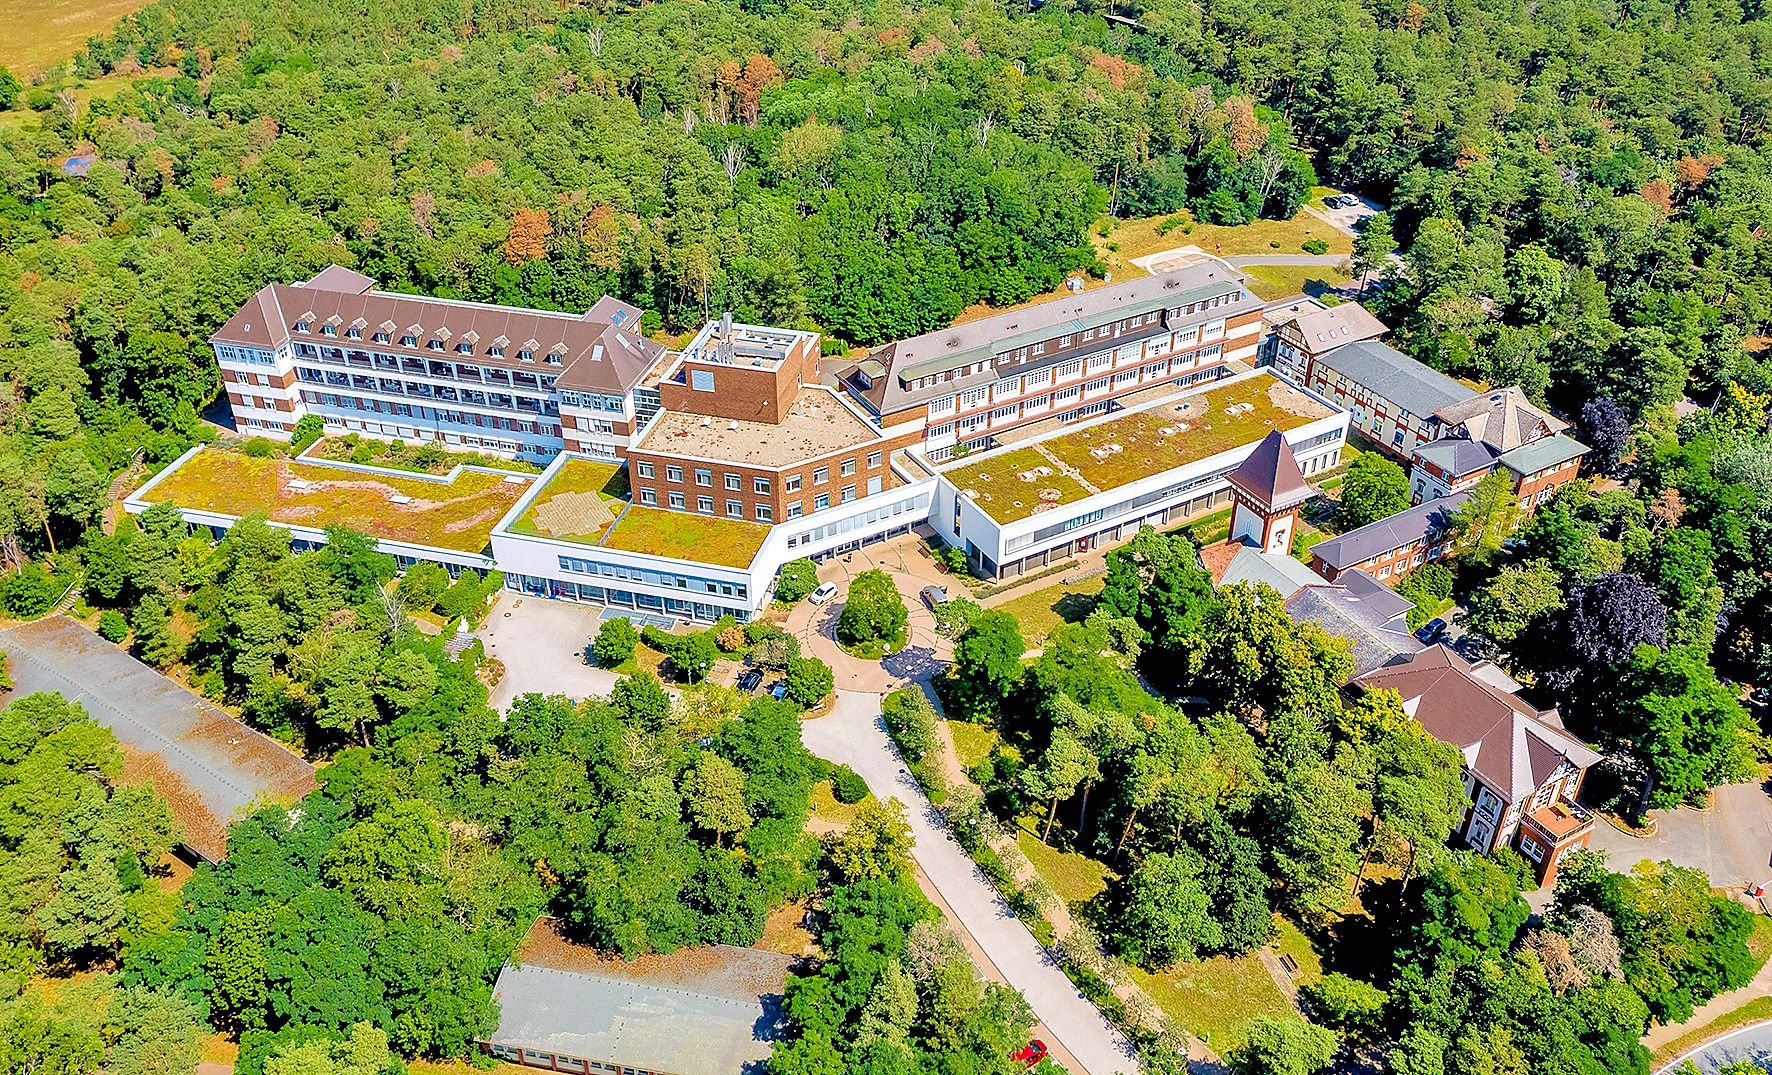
{"x":208,"y":765}
{"x":819,"y":423}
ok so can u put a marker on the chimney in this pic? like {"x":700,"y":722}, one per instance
{"x":725,"y":345}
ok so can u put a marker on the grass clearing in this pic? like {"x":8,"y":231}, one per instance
{"x":456,"y":515}
{"x":43,"y":33}
{"x":1272,"y":282}
{"x":1139,"y":237}
{"x":1076,"y":878}
{"x":972,"y":742}
{"x":1289,"y":940}
{"x":1041,"y":611}
{"x":828,"y":810}
{"x":685,"y":536}
{"x":1216,"y":999}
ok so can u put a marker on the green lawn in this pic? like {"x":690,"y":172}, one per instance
{"x":1216,"y":999}
{"x":1130,"y":239}
{"x":972,"y":742}
{"x":1289,"y":940}
{"x":445,"y":515}
{"x":1076,"y":878}
{"x":826,"y":808}
{"x":1272,"y":282}
{"x":1041,"y":611}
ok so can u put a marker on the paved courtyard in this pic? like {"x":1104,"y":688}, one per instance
{"x":1731,"y":841}
{"x":542,"y":644}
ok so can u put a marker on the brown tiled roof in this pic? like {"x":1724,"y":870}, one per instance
{"x":1503,"y":419}
{"x":1511,"y":746}
{"x":1216,"y":558}
{"x":1270,"y":475}
{"x":601,"y":350}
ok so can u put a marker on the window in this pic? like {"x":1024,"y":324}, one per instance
{"x":790,"y":484}
{"x":795,"y":510}
{"x":734,"y":482}
{"x":704,"y":477}
{"x":704,"y":504}
{"x":676,"y":499}
{"x":848,"y":493}
{"x":873,"y":460}
{"x":329,"y":330}
{"x":735,"y":508}
{"x":648,"y":496}
{"x":701,"y":380}
{"x":873,"y":485}
{"x":409,"y":341}
{"x":301,"y":326}
{"x":354,"y":332}
{"x":821,"y":502}
{"x":1065,"y":340}
{"x":765,"y":513}
{"x":673,"y":472}
{"x":760,"y":486}
{"x":555,"y":358}
{"x":645,"y":469}
{"x":380,"y":337}
{"x":821,"y":475}
{"x":848,"y":468}
{"x":496,"y":351}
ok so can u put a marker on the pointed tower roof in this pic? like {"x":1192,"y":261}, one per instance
{"x":1270,"y":477}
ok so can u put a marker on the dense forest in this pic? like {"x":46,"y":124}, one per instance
{"x":1579,"y":190}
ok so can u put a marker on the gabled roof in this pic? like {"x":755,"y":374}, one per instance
{"x":1359,"y":608}
{"x":1393,"y":375}
{"x":1385,"y":535}
{"x":1457,"y":456}
{"x":1249,"y":564}
{"x":1508,"y":744}
{"x":1542,"y":454}
{"x":1325,"y":327}
{"x":602,"y":350}
{"x":1503,"y":419}
{"x":1270,"y":475}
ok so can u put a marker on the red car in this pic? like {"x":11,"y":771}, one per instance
{"x":1030,"y":1054}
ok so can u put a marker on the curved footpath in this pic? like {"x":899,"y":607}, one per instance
{"x":853,"y":733}
{"x":1753,"y":1043}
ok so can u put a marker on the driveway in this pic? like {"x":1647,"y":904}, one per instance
{"x":1750,"y":1043}
{"x":1731,"y":841}
{"x":1346,"y":220}
{"x":853,"y":733}
{"x":542,"y":644}
{"x":925,"y":652}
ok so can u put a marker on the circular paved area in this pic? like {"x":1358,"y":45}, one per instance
{"x":925,"y":652}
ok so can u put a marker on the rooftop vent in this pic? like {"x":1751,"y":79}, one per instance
{"x":706,"y":421}
{"x":733,"y":426}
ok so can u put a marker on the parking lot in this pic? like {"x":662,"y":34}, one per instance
{"x":542,"y":644}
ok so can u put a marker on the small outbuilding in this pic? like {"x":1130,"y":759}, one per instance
{"x":710,"y":1010}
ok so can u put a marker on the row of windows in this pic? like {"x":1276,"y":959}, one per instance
{"x":704,"y":476}
{"x":555,"y":355}
{"x":245,"y":354}
{"x":429,"y":367}
{"x":861,"y":521}
{"x":651,"y":578}
{"x":408,"y":410}
{"x":1077,"y":367}
{"x":559,"y":1062}
{"x":595,"y":401}
{"x":705,"y":504}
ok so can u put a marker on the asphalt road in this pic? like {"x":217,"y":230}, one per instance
{"x":853,"y":733}
{"x":1749,"y":1043}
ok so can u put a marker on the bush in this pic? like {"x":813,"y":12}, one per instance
{"x":910,"y":720}
{"x":112,"y":627}
{"x":1345,"y":1002}
{"x":1315,"y":246}
{"x":954,"y":559}
{"x":847,"y":785}
{"x":775,"y":652}
{"x":363,"y":453}
{"x":953,"y":617}
{"x":615,"y":642}
{"x":307,"y":431}
{"x":29,"y":592}
{"x":797,"y":579}
{"x":259,"y":448}
{"x":809,"y":681}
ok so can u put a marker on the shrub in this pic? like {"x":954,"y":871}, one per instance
{"x":797,"y":579}
{"x":29,"y":592}
{"x":953,"y":617}
{"x":615,"y":642}
{"x":112,"y":627}
{"x":1315,"y":246}
{"x":847,"y":785}
{"x":809,"y":680}
{"x":1345,"y":1002}
{"x":363,"y":453}
{"x":307,"y":431}
{"x":954,"y":559}
{"x":776,"y":652}
{"x":910,"y":720}
{"x":259,"y":448}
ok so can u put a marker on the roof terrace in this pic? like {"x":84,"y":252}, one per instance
{"x":1079,"y":461}
{"x":579,"y":503}
{"x":457,"y":515}
{"x":817,"y":424}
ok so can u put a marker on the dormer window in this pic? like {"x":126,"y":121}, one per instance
{"x":301,"y":326}
{"x":381,"y":337}
{"x":496,"y":351}
{"x":409,"y":341}
{"x":329,"y":330}
{"x":526,"y":355}
{"x":434,"y":345}
{"x":555,"y":358}
{"x":464,"y":348}
{"x":354,"y":332}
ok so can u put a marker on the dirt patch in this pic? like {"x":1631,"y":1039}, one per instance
{"x":1293,"y":401}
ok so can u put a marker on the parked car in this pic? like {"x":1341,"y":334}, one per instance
{"x":825,"y":591}
{"x":1341,"y":201}
{"x":750,"y":679}
{"x":1432,"y":630}
{"x":935,"y":595}
{"x":1030,"y":1054}
{"x":779,"y":689}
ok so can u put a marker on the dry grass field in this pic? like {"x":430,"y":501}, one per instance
{"x":35,"y":34}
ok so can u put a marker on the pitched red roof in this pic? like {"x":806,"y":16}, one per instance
{"x":1270,"y":476}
